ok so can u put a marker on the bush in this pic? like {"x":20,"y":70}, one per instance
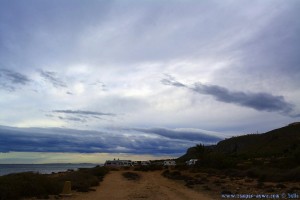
{"x":181,"y":167}
{"x":293,"y":190}
{"x":271,"y":174}
{"x":96,"y":171}
{"x":146,"y":168}
{"x":84,"y":178}
{"x":216,"y":161}
{"x":226,"y":192}
{"x":291,"y":175}
{"x":81,"y":181}
{"x":260,"y":184}
{"x":131,"y":176}
{"x":206,"y":187}
{"x":280,"y":185}
{"x":16,"y":186}
{"x":176,"y":175}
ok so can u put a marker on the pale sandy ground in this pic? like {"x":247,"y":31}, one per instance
{"x":151,"y":186}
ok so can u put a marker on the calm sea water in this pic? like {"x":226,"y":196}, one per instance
{"x":41,"y":168}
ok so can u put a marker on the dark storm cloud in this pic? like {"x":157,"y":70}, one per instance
{"x":9,"y":79}
{"x":182,"y":134}
{"x":70,"y":140}
{"x":53,"y":78}
{"x":258,"y":101}
{"x":83,"y":112}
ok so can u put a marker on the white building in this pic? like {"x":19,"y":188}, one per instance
{"x":145,"y":163}
{"x":191,"y":162}
{"x":118,"y":163}
{"x":169,"y":163}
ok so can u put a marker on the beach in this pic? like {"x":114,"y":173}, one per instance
{"x":151,"y":185}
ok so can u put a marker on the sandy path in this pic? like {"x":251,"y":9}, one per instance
{"x":151,"y":186}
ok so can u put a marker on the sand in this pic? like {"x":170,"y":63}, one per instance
{"x":151,"y":186}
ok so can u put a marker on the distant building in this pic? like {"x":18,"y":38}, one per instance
{"x":191,"y":162}
{"x":169,"y":163}
{"x":118,"y":163}
{"x":136,"y":163}
{"x":145,"y":163}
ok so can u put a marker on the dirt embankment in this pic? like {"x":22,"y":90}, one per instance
{"x":151,"y":186}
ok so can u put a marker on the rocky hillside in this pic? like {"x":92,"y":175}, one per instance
{"x":280,"y":142}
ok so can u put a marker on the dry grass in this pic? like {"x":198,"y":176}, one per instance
{"x":216,"y":184}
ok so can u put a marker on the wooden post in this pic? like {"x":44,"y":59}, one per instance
{"x":67,"y":189}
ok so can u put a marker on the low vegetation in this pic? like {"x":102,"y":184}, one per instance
{"x":29,"y":184}
{"x":146,"y":168}
{"x":131,"y":176}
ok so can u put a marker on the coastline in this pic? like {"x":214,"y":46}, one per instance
{"x":47,"y":168}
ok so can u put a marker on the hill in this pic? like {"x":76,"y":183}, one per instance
{"x":279,"y":143}
{"x":273,"y":156}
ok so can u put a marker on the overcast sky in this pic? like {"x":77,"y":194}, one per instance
{"x":143,"y":78}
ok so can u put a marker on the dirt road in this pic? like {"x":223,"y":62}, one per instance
{"x":151,"y":186}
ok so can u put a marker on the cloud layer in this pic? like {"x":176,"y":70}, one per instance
{"x":136,"y":141}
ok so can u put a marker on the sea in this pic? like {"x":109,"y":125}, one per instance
{"x":42,"y":168}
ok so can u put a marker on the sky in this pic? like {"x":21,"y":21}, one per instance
{"x":83,"y":81}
